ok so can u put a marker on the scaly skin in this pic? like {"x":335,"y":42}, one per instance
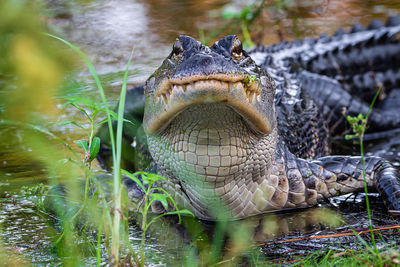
{"x":342,"y":73}
{"x":213,"y":133}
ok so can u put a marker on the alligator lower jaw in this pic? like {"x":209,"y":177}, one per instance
{"x":169,"y":101}
{"x":204,"y":147}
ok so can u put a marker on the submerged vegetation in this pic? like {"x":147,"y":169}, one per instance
{"x":93,"y":220}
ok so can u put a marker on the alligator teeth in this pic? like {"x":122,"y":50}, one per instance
{"x":248,"y":94}
{"x":230,"y":86}
{"x":165,"y":98}
{"x":190,"y":86}
{"x":179,"y":88}
{"x":251,"y":97}
{"x":251,"y":91}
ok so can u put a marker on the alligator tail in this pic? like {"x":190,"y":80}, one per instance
{"x":342,"y":73}
{"x":388,"y":185}
{"x":335,"y":101}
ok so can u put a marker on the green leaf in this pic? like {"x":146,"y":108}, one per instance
{"x":155,"y":177}
{"x":82,"y":143}
{"x":113,"y":115}
{"x":63,"y":123}
{"x":94,"y":148}
{"x":149,"y":178}
{"x":84,"y":101}
{"x":180,"y":212}
{"x":350,"y":136}
{"x":128,"y":121}
{"x":145,"y":178}
{"x":69,"y":122}
{"x":99,"y":87}
{"x":101,"y":123}
{"x":140,"y":173}
{"x":160,"y":197}
{"x":81,"y":109}
{"x":134,"y":178}
{"x":114,"y":118}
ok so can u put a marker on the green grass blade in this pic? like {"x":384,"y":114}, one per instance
{"x":120,"y":120}
{"x":98,"y":250}
{"x":117,"y":171}
{"x":115,"y":144}
{"x":99,"y":87}
{"x":373,"y":102}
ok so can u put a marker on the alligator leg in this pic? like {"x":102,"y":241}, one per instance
{"x":292,"y":183}
{"x":336,"y":175}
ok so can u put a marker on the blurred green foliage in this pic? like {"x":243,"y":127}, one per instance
{"x":32,"y":69}
{"x":32,"y":66}
{"x":31,"y":72}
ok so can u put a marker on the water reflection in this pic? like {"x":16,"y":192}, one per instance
{"x":274,"y":235}
{"x":16,"y":167}
{"x":168,"y":19}
{"x":108,"y":30}
{"x":24,"y":231}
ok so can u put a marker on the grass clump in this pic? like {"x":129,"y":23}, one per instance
{"x":348,"y":258}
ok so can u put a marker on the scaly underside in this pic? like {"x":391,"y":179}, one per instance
{"x":212,"y":154}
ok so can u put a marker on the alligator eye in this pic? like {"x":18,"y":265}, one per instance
{"x":177,"y":48}
{"x":237,"y":50}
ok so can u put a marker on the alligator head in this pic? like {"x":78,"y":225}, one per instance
{"x":210,"y":121}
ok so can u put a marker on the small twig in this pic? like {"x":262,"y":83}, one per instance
{"x":321,"y":236}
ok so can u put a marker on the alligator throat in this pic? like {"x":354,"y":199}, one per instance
{"x":209,"y":147}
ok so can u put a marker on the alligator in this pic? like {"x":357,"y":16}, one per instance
{"x":241,"y":133}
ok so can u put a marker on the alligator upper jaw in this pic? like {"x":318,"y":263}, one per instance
{"x":173,"y":96}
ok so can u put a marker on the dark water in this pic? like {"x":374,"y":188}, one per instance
{"x":107,"y":31}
